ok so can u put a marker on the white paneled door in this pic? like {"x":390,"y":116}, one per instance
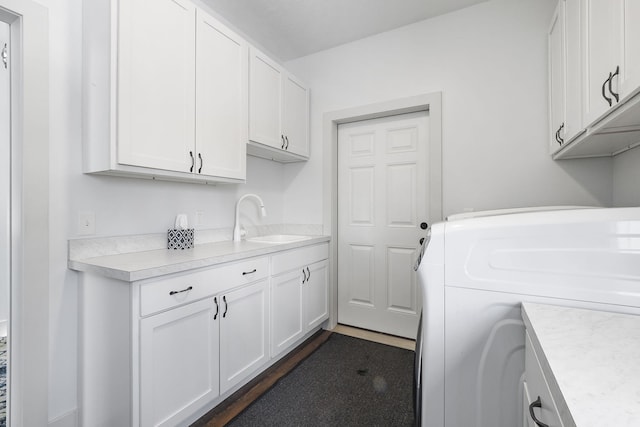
{"x":382,"y":203}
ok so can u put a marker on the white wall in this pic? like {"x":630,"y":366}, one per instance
{"x":490,"y":62}
{"x":626,"y":178}
{"x":121,"y":205}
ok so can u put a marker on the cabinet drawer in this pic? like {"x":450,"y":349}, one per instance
{"x":290,"y":260}
{"x":537,"y":387}
{"x":176,"y":290}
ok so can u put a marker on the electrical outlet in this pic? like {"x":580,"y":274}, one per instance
{"x":199,"y":219}
{"x":86,"y":223}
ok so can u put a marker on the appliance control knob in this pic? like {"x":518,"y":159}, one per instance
{"x":424,"y":225}
{"x":422,"y":240}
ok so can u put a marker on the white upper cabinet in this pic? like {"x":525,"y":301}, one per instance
{"x":265,"y":98}
{"x":565,"y":75}
{"x":603,"y":21}
{"x":278,"y":111}
{"x":631,"y":53}
{"x":156,"y":67}
{"x":295,"y":116}
{"x":556,"y":40}
{"x":608,"y":51}
{"x":165,"y":92}
{"x":221,"y":99}
{"x":573,"y":126}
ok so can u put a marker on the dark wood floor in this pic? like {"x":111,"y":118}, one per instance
{"x":237,"y":402}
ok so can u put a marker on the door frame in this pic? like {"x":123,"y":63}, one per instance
{"x":431,"y":102}
{"x":29,"y":233}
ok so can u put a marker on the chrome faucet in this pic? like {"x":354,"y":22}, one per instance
{"x":237,"y":233}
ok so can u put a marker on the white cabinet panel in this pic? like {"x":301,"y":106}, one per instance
{"x":295,"y":116}
{"x":316,"y":294}
{"x":178,"y":363}
{"x":155,"y":83}
{"x":265,"y":92}
{"x":287,"y":323}
{"x":278,"y":111}
{"x":538,"y":388}
{"x":631,"y":68}
{"x":244,"y":333}
{"x":603,"y":21}
{"x":221,"y":100}
{"x":573,"y":71}
{"x":556,"y":41}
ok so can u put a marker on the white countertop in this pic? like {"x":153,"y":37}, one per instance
{"x":591,"y":360}
{"x":148,"y":264}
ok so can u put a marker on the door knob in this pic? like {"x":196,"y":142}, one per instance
{"x":424,"y":225}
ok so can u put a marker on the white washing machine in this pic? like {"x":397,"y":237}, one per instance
{"x":476,"y":270}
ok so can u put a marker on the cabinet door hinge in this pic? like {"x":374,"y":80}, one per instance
{"x":5,"y":56}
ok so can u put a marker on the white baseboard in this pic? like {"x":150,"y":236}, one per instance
{"x":70,"y":419}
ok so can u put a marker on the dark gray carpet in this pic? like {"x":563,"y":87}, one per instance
{"x":346,"y":382}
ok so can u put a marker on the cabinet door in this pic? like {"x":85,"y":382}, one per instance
{"x":178,"y":363}
{"x":631,"y":69}
{"x":573,"y":71}
{"x":316,"y":294}
{"x":603,"y":53}
{"x":156,"y":84}
{"x":287,"y":323}
{"x":244,"y":333}
{"x":221,"y":100}
{"x":538,"y":388}
{"x":295,"y":116}
{"x":527,"y":421}
{"x":265,"y":100}
{"x":556,"y":77}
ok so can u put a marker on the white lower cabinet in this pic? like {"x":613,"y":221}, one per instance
{"x":286,"y":317}
{"x":539,"y":407}
{"x":178,"y":362}
{"x":244,"y":333}
{"x":315,"y":292}
{"x":192,"y":354}
{"x":161,"y":352}
{"x":299,"y":294}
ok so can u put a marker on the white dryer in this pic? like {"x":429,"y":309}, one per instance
{"x":475,"y":271}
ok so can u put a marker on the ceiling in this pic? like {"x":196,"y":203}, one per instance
{"x":293,"y":28}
